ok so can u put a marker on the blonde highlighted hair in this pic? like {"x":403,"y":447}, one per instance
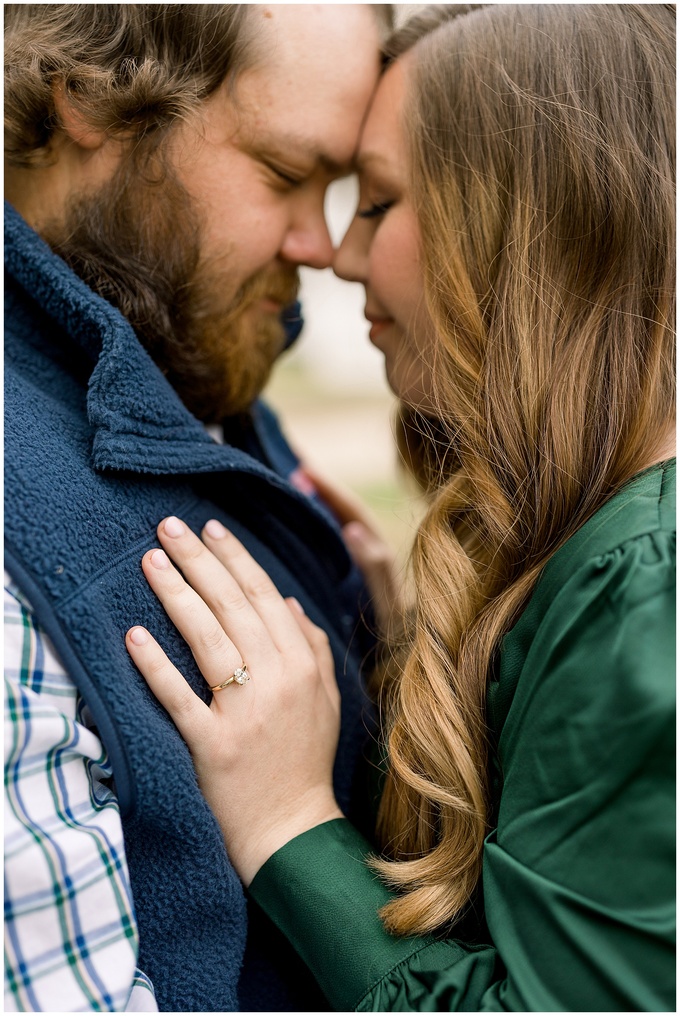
{"x":542,"y":147}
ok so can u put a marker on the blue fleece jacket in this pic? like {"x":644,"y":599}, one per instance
{"x":99,"y":448}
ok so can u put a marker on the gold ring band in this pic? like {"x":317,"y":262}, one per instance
{"x":240,"y":676}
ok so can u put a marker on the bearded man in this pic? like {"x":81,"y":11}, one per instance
{"x":166,"y":166}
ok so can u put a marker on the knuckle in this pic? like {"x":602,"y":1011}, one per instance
{"x":184,"y":600}
{"x":211,"y":637}
{"x":228,"y":600}
{"x":193,"y":549}
{"x":183,"y":700}
{"x":231,"y":553}
{"x":172,"y":582}
{"x":236,"y":549}
{"x":176,"y":589}
{"x":157,"y":665}
{"x":309,"y":670}
{"x":261,"y":588}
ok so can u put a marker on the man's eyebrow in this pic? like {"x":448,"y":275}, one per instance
{"x":297,"y":146}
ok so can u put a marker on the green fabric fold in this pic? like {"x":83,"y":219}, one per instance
{"x":578,"y":882}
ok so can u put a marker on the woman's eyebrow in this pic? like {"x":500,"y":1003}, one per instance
{"x":367,"y":160}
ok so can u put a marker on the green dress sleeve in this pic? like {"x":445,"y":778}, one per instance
{"x":578,"y":874}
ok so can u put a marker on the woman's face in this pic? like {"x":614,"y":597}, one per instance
{"x":382,"y":247}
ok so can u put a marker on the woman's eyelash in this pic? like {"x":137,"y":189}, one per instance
{"x":375,"y":210}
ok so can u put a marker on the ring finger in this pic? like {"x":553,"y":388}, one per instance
{"x":216,"y":655}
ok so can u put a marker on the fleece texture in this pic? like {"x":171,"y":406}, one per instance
{"x":99,"y":448}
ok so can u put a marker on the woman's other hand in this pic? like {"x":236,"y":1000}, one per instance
{"x":369,"y":550}
{"x":263,"y":750}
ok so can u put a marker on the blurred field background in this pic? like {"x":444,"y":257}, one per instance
{"x":330,"y":389}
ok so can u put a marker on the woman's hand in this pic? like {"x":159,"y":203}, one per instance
{"x":263,"y":750}
{"x":370,"y":551}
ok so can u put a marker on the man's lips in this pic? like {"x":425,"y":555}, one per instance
{"x":270,"y":305}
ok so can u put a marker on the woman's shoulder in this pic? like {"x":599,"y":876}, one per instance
{"x":625,"y":551}
{"x":603,"y":608}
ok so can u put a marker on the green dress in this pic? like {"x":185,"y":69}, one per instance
{"x":578,"y":883}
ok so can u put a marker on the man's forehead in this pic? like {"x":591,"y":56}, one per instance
{"x":311,"y":81}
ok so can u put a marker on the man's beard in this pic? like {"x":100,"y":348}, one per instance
{"x":137,"y":243}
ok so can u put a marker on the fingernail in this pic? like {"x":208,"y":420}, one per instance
{"x":215,"y":529}
{"x":139,"y":636}
{"x":159,"y":559}
{"x":296,"y":604}
{"x":173,"y":527}
{"x":353,"y":531}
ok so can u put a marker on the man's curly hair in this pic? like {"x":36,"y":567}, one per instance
{"x":129,"y":69}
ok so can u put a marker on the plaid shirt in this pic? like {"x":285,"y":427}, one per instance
{"x":71,"y":938}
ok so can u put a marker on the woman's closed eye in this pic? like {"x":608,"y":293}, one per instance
{"x":375,"y":210}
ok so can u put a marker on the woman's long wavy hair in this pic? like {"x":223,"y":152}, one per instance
{"x":542,"y":147}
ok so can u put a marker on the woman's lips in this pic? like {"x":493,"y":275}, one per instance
{"x":378,"y":325}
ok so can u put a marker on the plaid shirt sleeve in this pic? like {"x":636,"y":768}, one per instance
{"x":70,"y":932}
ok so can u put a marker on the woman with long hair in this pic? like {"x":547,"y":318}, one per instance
{"x":515,"y":236}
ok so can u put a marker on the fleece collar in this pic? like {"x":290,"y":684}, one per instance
{"x":140,"y":424}
{"x":139,"y":421}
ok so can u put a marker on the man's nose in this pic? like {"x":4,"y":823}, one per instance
{"x":351,"y":258}
{"x":308,"y":244}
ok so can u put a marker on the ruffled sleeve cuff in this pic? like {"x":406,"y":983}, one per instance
{"x":321,"y":894}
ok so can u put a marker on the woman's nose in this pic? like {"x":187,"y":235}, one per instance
{"x":351,"y":258}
